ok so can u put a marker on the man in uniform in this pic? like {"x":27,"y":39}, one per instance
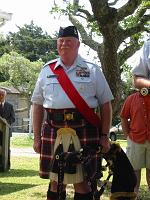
{"x":141,"y":70}
{"x":65,"y":124}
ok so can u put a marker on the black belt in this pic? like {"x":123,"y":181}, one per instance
{"x":66,"y":116}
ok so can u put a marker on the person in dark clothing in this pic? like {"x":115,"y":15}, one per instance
{"x":8,"y":115}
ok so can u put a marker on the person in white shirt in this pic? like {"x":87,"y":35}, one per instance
{"x":48,"y":95}
{"x":141,"y":70}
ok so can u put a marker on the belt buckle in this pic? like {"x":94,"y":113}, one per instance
{"x":144,"y":91}
{"x":68,"y":116}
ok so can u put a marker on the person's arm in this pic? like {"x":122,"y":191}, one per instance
{"x":141,"y":82}
{"x":37,"y":120}
{"x":125,"y":126}
{"x":106,"y":118}
{"x":12,"y":115}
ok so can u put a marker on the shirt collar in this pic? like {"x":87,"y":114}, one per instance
{"x":76,"y":63}
{"x":2,"y":103}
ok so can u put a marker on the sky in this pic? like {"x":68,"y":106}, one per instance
{"x":24,"y":11}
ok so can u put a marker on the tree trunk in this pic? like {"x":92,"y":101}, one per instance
{"x":109,"y":61}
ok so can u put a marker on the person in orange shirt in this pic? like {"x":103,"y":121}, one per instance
{"x":135,"y":120}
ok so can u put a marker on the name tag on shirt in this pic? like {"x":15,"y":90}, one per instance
{"x":52,"y":76}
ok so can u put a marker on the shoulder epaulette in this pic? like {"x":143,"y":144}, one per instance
{"x":50,"y":62}
{"x":88,"y":62}
{"x":91,"y":63}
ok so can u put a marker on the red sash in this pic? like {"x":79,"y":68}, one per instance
{"x":75,"y":97}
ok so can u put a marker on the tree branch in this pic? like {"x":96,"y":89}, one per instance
{"x":140,"y":12}
{"x":86,"y":39}
{"x":90,"y":17}
{"x":113,"y":3}
{"x":76,"y":2}
{"x":129,"y":51}
{"x":136,"y":29}
{"x":128,"y":9}
{"x":100,"y":8}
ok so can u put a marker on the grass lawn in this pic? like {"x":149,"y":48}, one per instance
{"x":21,"y":141}
{"x":23,"y":183}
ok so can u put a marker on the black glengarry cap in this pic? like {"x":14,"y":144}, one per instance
{"x":69,"y":31}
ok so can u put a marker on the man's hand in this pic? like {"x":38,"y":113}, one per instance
{"x":37,"y":145}
{"x":105,"y":142}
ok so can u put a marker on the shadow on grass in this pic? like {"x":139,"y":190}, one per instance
{"x":39,"y":195}
{"x":19,"y":173}
{"x":7,"y":188}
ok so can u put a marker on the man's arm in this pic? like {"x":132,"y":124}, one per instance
{"x":12,"y":115}
{"x":37,"y":120}
{"x":141,"y":82}
{"x":8,"y":113}
{"x":106,"y":117}
{"x":125,"y":126}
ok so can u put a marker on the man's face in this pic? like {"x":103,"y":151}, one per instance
{"x":68,"y":46}
{"x":2,"y":96}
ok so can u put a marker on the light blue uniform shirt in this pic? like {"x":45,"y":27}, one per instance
{"x":142,"y":66}
{"x":86,"y":77}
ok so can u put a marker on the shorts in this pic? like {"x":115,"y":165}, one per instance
{"x":138,"y":154}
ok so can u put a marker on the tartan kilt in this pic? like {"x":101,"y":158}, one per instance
{"x":88,"y":136}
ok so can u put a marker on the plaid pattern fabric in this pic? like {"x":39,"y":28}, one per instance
{"x":88,"y":136}
{"x":64,"y":123}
